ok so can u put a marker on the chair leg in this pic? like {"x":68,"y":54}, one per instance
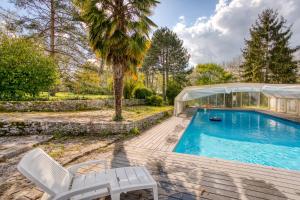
{"x":155,"y":193}
{"x":115,"y":196}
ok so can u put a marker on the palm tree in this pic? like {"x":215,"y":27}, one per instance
{"x":118,"y":32}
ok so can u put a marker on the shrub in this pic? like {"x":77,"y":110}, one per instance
{"x":142,"y":92}
{"x":173,"y":90}
{"x":134,"y":131}
{"x":24,"y":69}
{"x":154,"y":100}
{"x":129,"y":85}
{"x":87,"y":80}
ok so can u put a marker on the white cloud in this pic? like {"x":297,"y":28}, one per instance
{"x":221,"y":36}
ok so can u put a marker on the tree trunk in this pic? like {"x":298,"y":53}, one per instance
{"x":152,"y":79}
{"x":164,"y":85}
{"x":147,"y":79}
{"x":167,"y":77}
{"x":52,"y":30}
{"x":118,"y":91}
{"x":167,"y":68}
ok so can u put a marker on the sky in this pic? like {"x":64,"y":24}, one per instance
{"x":168,"y":12}
{"x":214,"y":30}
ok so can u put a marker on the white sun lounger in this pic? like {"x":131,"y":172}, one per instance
{"x":59,"y":183}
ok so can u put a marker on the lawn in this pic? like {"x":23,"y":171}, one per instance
{"x":104,"y":114}
{"x":70,"y":96}
{"x":138,"y":112}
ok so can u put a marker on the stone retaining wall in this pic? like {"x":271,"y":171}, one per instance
{"x":8,"y":128}
{"x":67,"y":105}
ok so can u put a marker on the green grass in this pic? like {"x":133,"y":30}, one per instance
{"x":138,"y":112}
{"x":147,"y":109}
{"x":69,"y":96}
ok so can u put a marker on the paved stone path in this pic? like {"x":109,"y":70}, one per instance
{"x":14,"y":186}
{"x":13,"y":146}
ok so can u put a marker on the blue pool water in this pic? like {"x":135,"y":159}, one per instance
{"x":244,"y":136}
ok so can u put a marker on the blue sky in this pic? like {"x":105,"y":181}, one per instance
{"x":168,"y":12}
{"x":215,"y":30}
{"x":5,"y":4}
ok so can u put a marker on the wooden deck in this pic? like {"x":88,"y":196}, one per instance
{"x":187,"y":177}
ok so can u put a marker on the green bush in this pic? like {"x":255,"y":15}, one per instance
{"x":86,"y":80}
{"x":173,"y":90}
{"x":24,"y":69}
{"x":134,"y":131}
{"x":142,"y":92}
{"x":154,"y":100}
{"x":129,"y":85}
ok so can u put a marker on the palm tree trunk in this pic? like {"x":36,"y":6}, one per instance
{"x":118,"y":91}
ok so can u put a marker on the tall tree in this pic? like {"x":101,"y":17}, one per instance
{"x":166,"y":55}
{"x":210,"y":73}
{"x":268,"y":55}
{"x":118,"y":32}
{"x":54,"y":21}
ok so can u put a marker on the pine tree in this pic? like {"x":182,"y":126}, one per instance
{"x":56,"y":23}
{"x":167,"y":56}
{"x":268,"y":55}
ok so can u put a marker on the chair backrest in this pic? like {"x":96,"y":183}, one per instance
{"x":45,"y":172}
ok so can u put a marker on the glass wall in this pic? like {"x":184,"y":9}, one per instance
{"x":220,"y":100}
{"x":249,"y":100}
{"x":245,"y":99}
{"x":235,"y":99}
{"x":292,"y":106}
{"x":264,"y":101}
{"x":254,"y":99}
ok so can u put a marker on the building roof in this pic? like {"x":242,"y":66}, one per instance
{"x":276,"y":90}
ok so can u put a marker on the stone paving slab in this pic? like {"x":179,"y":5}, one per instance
{"x":14,"y":185}
{"x":13,"y":146}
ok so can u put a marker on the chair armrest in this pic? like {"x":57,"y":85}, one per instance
{"x":74,"y":168}
{"x":71,"y":193}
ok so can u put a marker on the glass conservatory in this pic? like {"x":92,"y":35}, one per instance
{"x":283,"y":98}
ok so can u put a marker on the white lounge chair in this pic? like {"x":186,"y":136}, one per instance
{"x":60,"y":183}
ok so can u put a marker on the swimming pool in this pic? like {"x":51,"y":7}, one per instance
{"x":245,"y":136}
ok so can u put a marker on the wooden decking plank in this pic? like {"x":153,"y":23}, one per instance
{"x":212,"y":189}
{"x":196,"y":160}
{"x":149,"y":141}
{"x":218,"y":185}
{"x":228,"y":164}
{"x":197,"y":191}
{"x":228,"y":169}
{"x":276,"y":171}
{"x":246,"y":176}
{"x":249,"y":178}
{"x":163,"y":144}
{"x":160,"y":136}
